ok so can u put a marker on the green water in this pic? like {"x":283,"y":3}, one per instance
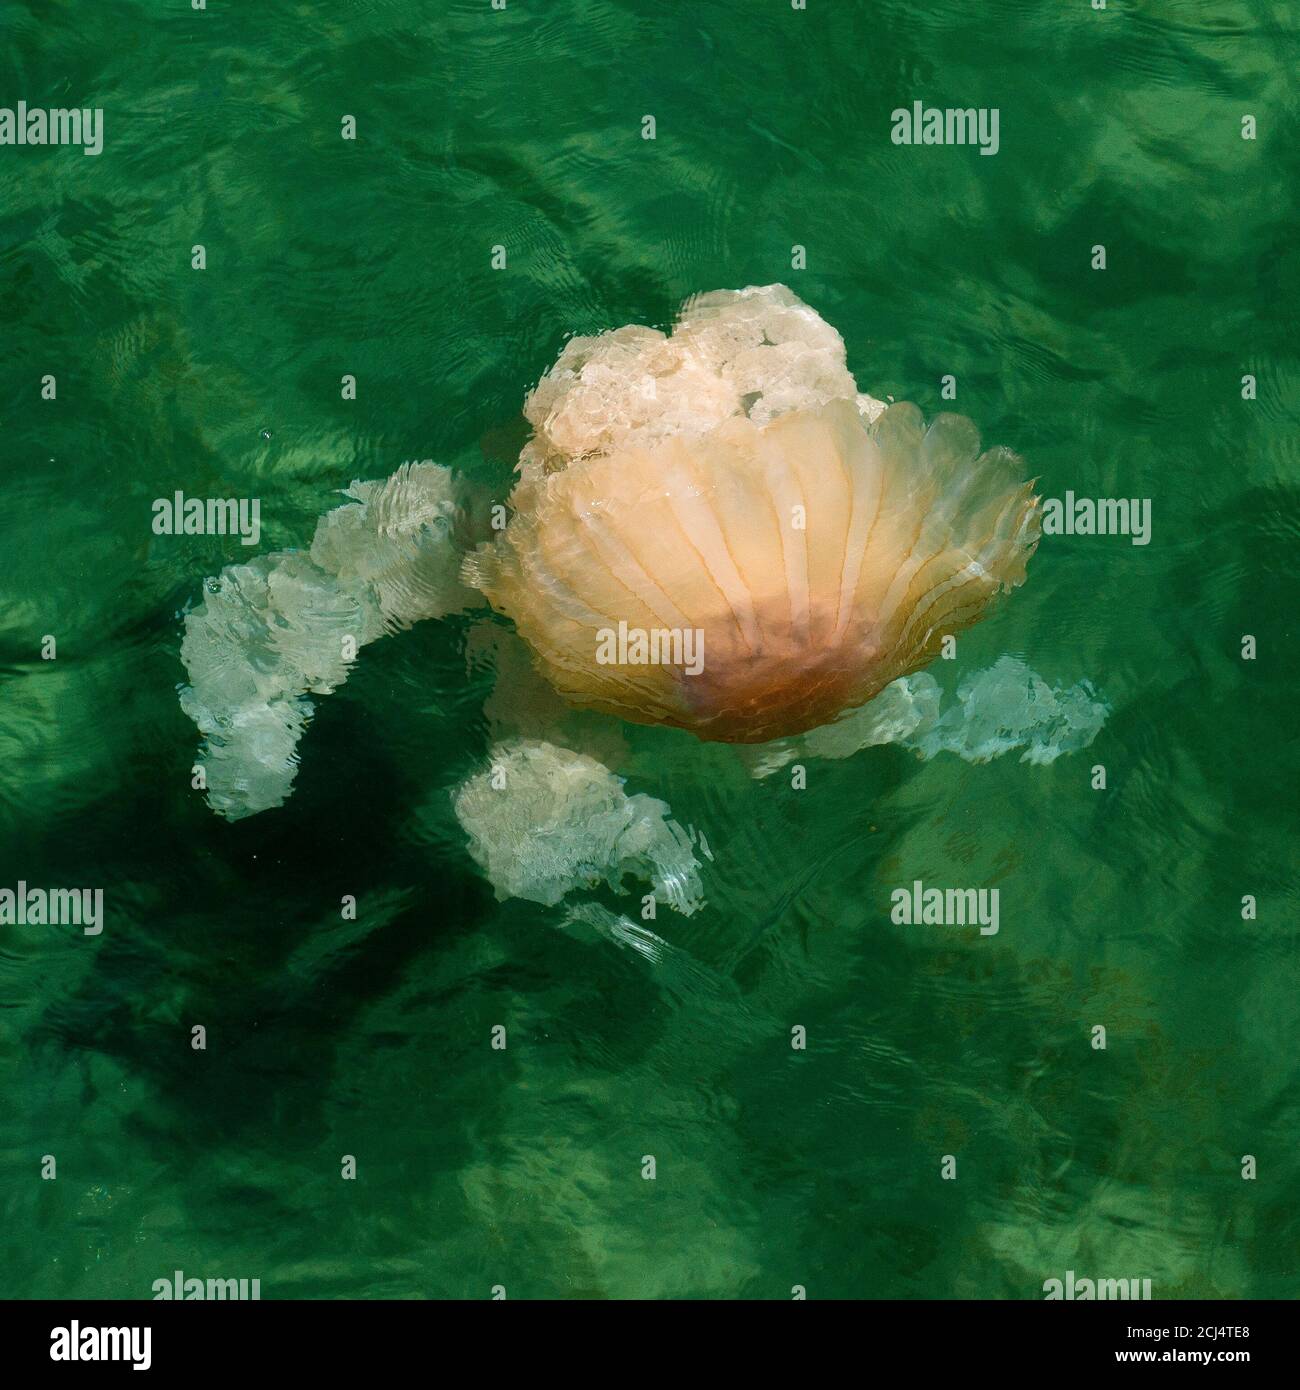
{"x":775,"y":1166}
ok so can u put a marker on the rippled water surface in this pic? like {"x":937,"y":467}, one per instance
{"x":326,"y":1037}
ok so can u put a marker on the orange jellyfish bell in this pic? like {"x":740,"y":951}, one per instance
{"x":747,"y":580}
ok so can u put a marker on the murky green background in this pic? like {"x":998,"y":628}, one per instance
{"x":776,"y":1167}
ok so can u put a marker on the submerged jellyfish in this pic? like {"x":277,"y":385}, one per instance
{"x":269,"y":633}
{"x":711,"y":529}
{"x":744,"y":563}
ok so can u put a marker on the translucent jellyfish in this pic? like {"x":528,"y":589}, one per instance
{"x":543,"y":821}
{"x":270,"y":632}
{"x":266,"y":634}
{"x":1009,"y":707}
{"x":712,"y":531}
{"x":1005,"y":708}
{"x":398,"y":542}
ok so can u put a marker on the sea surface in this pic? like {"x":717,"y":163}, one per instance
{"x":951,"y":1129}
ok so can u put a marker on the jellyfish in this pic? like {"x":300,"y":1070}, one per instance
{"x":754,"y":582}
{"x":271,"y":632}
{"x":711,"y":529}
{"x":578,"y":827}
